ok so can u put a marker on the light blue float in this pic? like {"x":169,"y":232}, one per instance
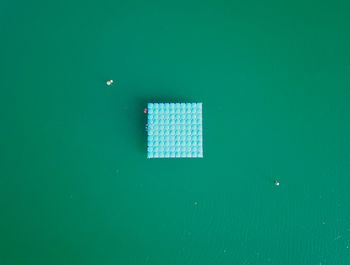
{"x":175,"y":130}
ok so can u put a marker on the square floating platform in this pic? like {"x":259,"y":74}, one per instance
{"x":175,"y":130}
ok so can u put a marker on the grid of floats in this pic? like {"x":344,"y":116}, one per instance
{"x":175,"y":130}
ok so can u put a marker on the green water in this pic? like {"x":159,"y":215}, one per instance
{"x":75,"y":184}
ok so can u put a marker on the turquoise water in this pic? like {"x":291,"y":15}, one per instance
{"x":75,"y":184}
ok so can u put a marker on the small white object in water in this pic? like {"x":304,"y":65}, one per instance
{"x":109,"y":82}
{"x":277,"y":183}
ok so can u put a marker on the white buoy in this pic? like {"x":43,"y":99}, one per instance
{"x":109,"y":82}
{"x":277,"y":183}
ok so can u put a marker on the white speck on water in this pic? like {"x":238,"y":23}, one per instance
{"x":109,"y":82}
{"x":195,"y":203}
{"x":225,"y":250}
{"x":338,"y":237}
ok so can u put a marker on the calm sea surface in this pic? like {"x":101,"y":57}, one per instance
{"x":75,"y":184}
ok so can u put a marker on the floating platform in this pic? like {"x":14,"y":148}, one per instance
{"x":175,"y":130}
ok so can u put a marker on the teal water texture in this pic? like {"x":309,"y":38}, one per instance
{"x":75,"y":184}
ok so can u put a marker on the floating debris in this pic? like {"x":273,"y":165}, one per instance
{"x":109,"y":82}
